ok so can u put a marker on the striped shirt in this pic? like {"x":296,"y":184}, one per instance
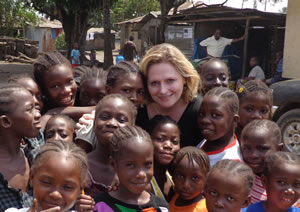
{"x":258,"y":192}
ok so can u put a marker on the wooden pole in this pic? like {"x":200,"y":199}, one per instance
{"x":245,"y":47}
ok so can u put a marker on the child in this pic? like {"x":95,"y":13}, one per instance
{"x":165,"y":136}
{"x":112,"y":112}
{"x":29,"y":84}
{"x":75,"y":55}
{"x":18,"y":119}
{"x":281,"y":179}
{"x":217,"y":120}
{"x":189,"y":170}
{"x":255,"y":103}
{"x":259,"y":138}
{"x":60,"y":127}
{"x":132,"y":160}
{"x":92,"y":86}
{"x":57,"y":176}
{"x":213,"y":73}
{"x":228,"y":186}
{"x":124,"y":78}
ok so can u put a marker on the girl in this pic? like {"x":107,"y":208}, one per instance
{"x":124,"y":78}
{"x":228,"y":186}
{"x":92,"y":86}
{"x":112,"y":112}
{"x":29,"y":84}
{"x":165,"y":136}
{"x":171,"y":85}
{"x":213,"y":73}
{"x":259,"y":138}
{"x":281,"y":178}
{"x":217,"y":120}
{"x":60,"y":127}
{"x":189,"y":170}
{"x":57,"y":176}
{"x":54,"y":75}
{"x":255,"y":103}
{"x":18,"y":119}
{"x":132,"y":160}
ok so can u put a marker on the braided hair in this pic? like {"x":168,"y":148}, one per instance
{"x":233,"y":167}
{"x":68,"y":150}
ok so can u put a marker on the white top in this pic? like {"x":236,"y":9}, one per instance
{"x":232,"y":151}
{"x":17,"y":210}
{"x":215,"y":47}
{"x":257,"y":73}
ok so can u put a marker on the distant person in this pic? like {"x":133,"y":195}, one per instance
{"x":129,"y":49}
{"x":256,"y":71}
{"x":214,"y":46}
{"x":75,"y":55}
{"x":278,"y":73}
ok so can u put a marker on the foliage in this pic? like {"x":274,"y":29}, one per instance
{"x":13,"y":14}
{"x":60,"y":42}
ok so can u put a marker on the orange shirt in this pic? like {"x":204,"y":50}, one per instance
{"x":195,"y":207}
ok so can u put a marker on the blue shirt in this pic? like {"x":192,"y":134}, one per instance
{"x":258,"y":207}
{"x":75,"y":54}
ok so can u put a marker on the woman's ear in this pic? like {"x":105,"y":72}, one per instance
{"x":247,"y":201}
{"x":5,"y":121}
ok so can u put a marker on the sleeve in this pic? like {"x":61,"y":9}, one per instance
{"x":86,"y":133}
{"x":72,"y":53}
{"x":228,"y":41}
{"x":205,"y":42}
{"x":101,"y":207}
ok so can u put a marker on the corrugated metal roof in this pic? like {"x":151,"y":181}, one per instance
{"x":50,"y":24}
{"x":98,"y":30}
{"x":141,"y":19}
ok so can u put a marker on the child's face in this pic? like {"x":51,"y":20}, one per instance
{"x":60,"y":85}
{"x":91,"y":92}
{"x":215,"y":75}
{"x":56,"y":182}
{"x":30,"y":85}
{"x":25,"y":118}
{"x":59,"y":129}
{"x":214,"y":119}
{"x":254,"y":106}
{"x":283,"y":185}
{"x":166,"y":139}
{"x":225,"y":193}
{"x":131,"y":86}
{"x":113,"y":113}
{"x":134,"y":167}
{"x":189,"y":179}
{"x":256,"y":144}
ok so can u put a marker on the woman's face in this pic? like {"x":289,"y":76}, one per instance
{"x":165,"y":84}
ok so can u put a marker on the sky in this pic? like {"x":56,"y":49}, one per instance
{"x":271,"y":7}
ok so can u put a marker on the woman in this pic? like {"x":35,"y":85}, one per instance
{"x":171,"y":85}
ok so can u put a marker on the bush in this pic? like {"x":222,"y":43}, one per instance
{"x":60,"y":42}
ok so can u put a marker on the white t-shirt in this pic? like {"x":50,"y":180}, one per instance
{"x":257,"y":73}
{"x":215,"y":47}
{"x":232,"y":151}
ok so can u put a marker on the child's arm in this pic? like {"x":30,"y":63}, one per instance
{"x":72,"y":111}
{"x":84,"y":203}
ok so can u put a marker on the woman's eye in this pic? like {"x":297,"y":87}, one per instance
{"x":171,"y":80}
{"x":154,"y":83}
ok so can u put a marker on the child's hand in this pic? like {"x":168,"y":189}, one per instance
{"x":34,"y":207}
{"x":297,"y":204}
{"x":83,"y":121}
{"x":84,"y":203}
{"x":114,"y":184}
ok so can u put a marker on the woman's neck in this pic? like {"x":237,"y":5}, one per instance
{"x":10,"y":145}
{"x":175,"y":112}
{"x":220,"y":143}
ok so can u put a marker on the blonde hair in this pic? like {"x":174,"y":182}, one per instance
{"x":167,"y":53}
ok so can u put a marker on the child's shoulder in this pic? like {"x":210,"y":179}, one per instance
{"x":107,"y":203}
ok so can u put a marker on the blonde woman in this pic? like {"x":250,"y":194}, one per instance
{"x":171,"y":85}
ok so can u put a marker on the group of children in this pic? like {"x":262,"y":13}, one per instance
{"x":44,"y":165}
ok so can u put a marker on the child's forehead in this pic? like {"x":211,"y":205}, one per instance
{"x":285,"y":168}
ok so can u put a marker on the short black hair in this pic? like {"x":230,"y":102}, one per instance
{"x":158,"y":120}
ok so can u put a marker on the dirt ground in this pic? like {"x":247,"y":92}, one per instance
{"x":8,"y":70}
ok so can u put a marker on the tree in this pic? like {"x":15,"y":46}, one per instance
{"x":73,"y":14}
{"x":14,"y":15}
{"x":165,"y":7}
{"x":108,"y":58}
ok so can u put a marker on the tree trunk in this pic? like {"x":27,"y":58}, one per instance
{"x":108,"y":58}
